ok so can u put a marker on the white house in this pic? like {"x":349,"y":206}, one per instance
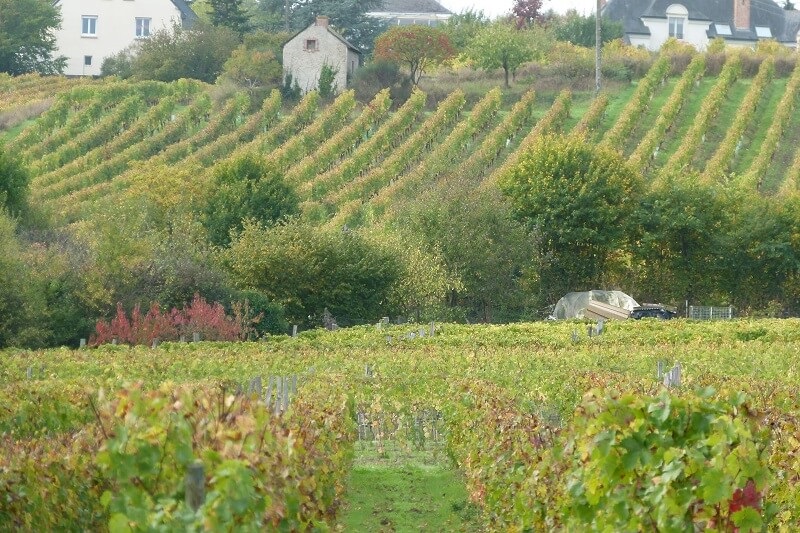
{"x":408,"y":12}
{"x":650,"y":23}
{"x":305,"y":55}
{"x":92,"y":30}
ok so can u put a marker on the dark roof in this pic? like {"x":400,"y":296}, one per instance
{"x":783,"y":24}
{"x":628,"y":12}
{"x":188,"y":16}
{"x":411,"y":6}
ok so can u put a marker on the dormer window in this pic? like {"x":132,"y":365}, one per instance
{"x":763,"y":32}
{"x":311,"y":45}
{"x":677,"y":16}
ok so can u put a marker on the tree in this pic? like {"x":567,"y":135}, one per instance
{"x":482,"y":244}
{"x":348,"y":16}
{"x":501,"y":45}
{"x":577,"y":199}
{"x":199,"y":53}
{"x":527,"y":12}
{"x":580,"y":30}
{"x":417,"y":47}
{"x":14,"y":181}
{"x":27,"y":38}
{"x":309,"y":269}
{"x":680,"y":231}
{"x":231,"y":14}
{"x":463,"y":27}
{"x":247,"y":187}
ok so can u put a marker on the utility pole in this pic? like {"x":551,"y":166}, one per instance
{"x":597,"y":41}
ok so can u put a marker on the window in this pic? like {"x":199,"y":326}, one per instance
{"x":142,"y":27}
{"x":723,"y":29}
{"x":676,"y":27}
{"x":763,"y":32}
{"x":87,"y":61}
{"x":89,"y":25}
{"x":677,"y":16}
{"x":311,"y":45}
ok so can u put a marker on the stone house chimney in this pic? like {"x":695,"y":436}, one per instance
{"x":741,"y":14}
{"x":322,"y":21}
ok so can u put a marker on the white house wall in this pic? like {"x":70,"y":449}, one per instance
{"x":694,"y":33}
{"x":306,"y":65}
{"x":116,"y":29}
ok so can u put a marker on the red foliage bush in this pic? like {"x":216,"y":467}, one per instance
{"x":200,"y":316}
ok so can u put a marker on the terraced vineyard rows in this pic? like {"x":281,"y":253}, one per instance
{"x":350,"y":164}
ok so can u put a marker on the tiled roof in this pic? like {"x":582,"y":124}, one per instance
{"x":783,"y":24}
{"x":412,"y":6}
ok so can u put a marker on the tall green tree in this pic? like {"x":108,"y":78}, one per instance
{"x":171,"y":54}
{"x":463,"y":27}
{"x":14,"y":179}
{"x":680,"y":235}
{"x":501,"y":45}
{"x":246,"y":188}
{"x":231,"y":14}
{"x":577,"y":199}
{"x":580,"y":29}
{"x":416,"y":47}
{"x":27,"y":37}
{"x":346,"y":16}
{"x":309,"y":269}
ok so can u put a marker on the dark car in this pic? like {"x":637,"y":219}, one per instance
{"x":653,"y":311}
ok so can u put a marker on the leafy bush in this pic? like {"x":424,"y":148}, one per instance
{"x":246,"y":187}
{"x":668,"y":462}
{"x":208,"y":320}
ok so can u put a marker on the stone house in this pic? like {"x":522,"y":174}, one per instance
{"x":305,"y":55}
{"x":649,"y":23}
{"x":92,"y":30}
{"x":408,"y":12}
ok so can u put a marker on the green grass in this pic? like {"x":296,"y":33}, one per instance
{"x":406,"y":491}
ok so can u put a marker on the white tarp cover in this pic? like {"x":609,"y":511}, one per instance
{"x":573,"y":304}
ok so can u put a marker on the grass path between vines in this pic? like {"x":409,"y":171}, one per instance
{"x":416,"y":491}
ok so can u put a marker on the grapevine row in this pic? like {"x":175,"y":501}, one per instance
{"x":783,"y":113}
{"x":441,"y":158}
{"x":650,"y":144}
{"x":369,"y":152}
{"x":110,"y":125}
{"x":145,"y":126}
{"x":162,"y":135}
{"x":196,"y":164}
{"x":638,"y":103}
{"x":550,"y":122}
{"x":708,"y":111}
{"x":591,"y":119}
{"x":405,"y":156}
{"x":499,"y":139}
{"x":305,"y":142}
{"x":225,"y":119}
{"x":340,"y":145}
{"x":720,"y":162}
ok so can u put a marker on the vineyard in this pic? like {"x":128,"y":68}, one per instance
{"x":117,"y":428}
{"x":104,"y":143}
{"x":543,"y":426}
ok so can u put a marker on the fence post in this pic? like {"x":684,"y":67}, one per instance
{"x":294,"y":330}
{"x":195,"y":337}
{"x":195,"y":486}
{"x":83,"y":343}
